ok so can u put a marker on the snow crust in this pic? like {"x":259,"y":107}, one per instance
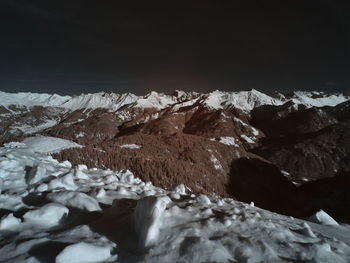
{"x":93,"y":215}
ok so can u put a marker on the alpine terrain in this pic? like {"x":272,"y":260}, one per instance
{"x":187,"y":177}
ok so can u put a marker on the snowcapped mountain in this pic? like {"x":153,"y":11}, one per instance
{"x":102,"y":100}
{"x":244,"y":100}
{"x":317,"y":99}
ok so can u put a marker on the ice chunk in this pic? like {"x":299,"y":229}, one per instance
{"x":147,"y":216}
{"x":80,"y":174}
{"x":66,"y":182}
{"x":306,"y":231}
{"x":126,"y":177}
{"x":180,"y":189}
{"x":47,"y":215}
{"x":83,"y":253}
{"x":75,"y":199}
{"x":203,"y":199}
{"x":36,"y":174}
{"x":42,"y":188}
{"x":321,"y":217}
{"x":9,"y":222}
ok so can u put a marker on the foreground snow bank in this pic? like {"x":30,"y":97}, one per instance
{"x":75,"y":214}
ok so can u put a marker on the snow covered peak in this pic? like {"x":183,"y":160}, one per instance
{"x":184,"y":96}
{"x":111,"y":101}
{"x":154,"y":100}
{"x":317,"y":99}
{"x":245,"y":100}
{"x":32,"y":99}
{"x":104,"y":100}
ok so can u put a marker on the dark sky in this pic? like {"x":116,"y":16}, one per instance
{"x":70,"y":47}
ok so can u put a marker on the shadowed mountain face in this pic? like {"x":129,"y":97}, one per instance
{"x":308,"y":143}
{"x":247,"y":145}
{"x":255,"y":179}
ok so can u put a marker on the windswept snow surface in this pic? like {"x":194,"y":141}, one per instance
{"x":76,"y":214}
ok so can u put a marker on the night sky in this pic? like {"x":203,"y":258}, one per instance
{"x":72,"y":47}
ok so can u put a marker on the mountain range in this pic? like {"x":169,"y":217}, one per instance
{"x":272,"y":149}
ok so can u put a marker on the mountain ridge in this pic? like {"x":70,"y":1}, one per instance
{"x":245,"y":100}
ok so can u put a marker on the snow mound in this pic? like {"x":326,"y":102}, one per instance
{"x":75,"y":199}
{"x":321,"y":217}
{"x":9,"y":222}
{"x":83,"y":253}
{"x":48,"y":215}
